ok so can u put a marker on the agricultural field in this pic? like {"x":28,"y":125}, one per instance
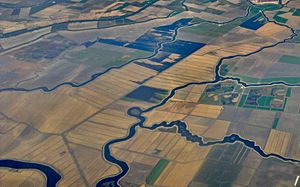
{"x":164,"y":160}
{"x":167,"y":93}
{"x":21,"y":178}
{"x":266,"y":66}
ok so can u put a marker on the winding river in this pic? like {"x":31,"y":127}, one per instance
{"x":52,"y":176}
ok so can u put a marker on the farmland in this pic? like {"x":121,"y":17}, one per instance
{"x":149,"y":93}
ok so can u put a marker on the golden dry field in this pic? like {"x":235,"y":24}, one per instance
{"x":149,"y":93}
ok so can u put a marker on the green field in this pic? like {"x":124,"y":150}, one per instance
{"x":210,"y":29}
{"x":278,"y":18}
{"x":242,"y":100}
{"x":297,"y":12}
{"x":267,"y":6}
{"x":265,"y":99}
{"x":105,"y":57}
{"x":290,"y":59}
{"x":291,"y":80}
{"x":156,"y":171}
{"x":247,"y":79}
{"x":275,"y":123}
{"x":288,"y":92}
{"x":176,"y":5}
{"x":216,"y":30}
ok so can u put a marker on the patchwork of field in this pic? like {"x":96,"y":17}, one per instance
{"x":26,"y":143}
{"x":58,"y":14}
{"x":50,"y":16}
{"x":66,"y":107}
{"x":62,"y":141}
{"x":224,"y":108}
{"x":76,"y":56}
{"x":209,"y":56}
{"x":104,"y":57}
{"x":266,"y":66}
{"x":163,"y":158}
{"x":275,"y":132}
{"x":290,"y":15}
